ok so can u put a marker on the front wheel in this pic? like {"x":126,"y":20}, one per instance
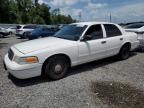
{"x":56,"y":67}
{"x":124,"y":52}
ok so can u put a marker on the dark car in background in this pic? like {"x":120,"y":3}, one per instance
{"x":41,"y":31}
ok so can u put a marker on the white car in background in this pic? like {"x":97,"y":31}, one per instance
{"x":3,"y":32}
{"x":138,"y":28}
{"x":11,"y":30}
{"x":21,"y":30}
{"x":73,"y":45}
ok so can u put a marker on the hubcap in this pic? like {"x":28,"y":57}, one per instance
{"x":58,"y":68}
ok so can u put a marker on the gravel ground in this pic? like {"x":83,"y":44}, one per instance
{"x":108,"y":83}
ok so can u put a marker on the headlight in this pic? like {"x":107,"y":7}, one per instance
{"x":25,"y":60}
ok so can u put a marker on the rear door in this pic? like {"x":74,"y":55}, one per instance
{"x":114,"y":39}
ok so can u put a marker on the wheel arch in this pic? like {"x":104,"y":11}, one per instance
{"x":126,"y":44}
{"x":60,"y":54}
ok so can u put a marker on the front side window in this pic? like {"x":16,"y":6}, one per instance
{"x":71,"y":32}
{"x":95,"y":32}
{"x":112,"y":30}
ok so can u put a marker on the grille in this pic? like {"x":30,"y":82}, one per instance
{"x":10,"y":54}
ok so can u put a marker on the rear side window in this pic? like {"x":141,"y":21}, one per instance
{"x":95,"y":31}
{"x":112,"y":30}
{"x":18,"y":27}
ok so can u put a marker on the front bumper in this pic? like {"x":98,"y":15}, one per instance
{"x":22,"y":71}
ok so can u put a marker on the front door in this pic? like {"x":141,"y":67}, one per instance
{"x":93,"y":46}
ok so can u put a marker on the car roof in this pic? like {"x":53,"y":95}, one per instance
{"x":27,"y":25}
{"x":20,"y":25}
{"x":91,"y":23}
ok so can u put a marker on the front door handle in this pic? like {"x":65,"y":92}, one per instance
{"x":121,"y":38}
{"x":103,"y":42}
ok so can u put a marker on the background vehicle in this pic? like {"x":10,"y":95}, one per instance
{"x":3,"y":32}
{"x":61,"y":26}
{"x":135,"y":27}
{"x":11,"y":30}
{"x":73,"y":45}
{"x":139,"y":29}
{"x":22,"y":29}
{"x":41,"y":31}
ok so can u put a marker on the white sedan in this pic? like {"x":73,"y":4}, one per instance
{"x":73,"y":45}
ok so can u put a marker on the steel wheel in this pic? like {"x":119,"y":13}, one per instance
{"x":124,"y":52}
{"x":57,"y":67}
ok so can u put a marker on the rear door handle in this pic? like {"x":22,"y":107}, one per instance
{"x":121,"y":38}
{"x":103,"y":42}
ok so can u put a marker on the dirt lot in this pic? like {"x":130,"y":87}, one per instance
{"x":107,"y":83}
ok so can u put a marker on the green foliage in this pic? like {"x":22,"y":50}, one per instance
{"x":38,"y":20}
{"x":30,"y":11}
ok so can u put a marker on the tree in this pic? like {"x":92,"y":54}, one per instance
{"x":30,"y":11}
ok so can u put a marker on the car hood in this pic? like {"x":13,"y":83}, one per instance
{"x":50,"y":43}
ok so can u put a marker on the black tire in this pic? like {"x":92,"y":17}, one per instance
{"x":23,"y":36}
{"x":124,"y":52}
{"x":1,"y":35}
{"x":30,"y":38}
{"x":10,"y":33}
{"x":56,"y":67}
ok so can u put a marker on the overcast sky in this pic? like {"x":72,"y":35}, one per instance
{"x":99,"y":10}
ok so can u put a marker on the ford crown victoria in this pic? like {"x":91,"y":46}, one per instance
{"x":73,"y":45}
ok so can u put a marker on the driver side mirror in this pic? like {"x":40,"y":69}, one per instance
{"x":86,"y":37}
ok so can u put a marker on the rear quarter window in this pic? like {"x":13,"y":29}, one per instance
{"x":112,"y":30}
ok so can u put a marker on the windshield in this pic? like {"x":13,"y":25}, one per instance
{"x":71,"y":32}
{"x":135,"y":25}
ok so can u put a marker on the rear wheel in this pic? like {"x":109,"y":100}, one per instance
{"x":56,"y":67}
{"x":23,"y":36}
{"x":124,"y":52}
